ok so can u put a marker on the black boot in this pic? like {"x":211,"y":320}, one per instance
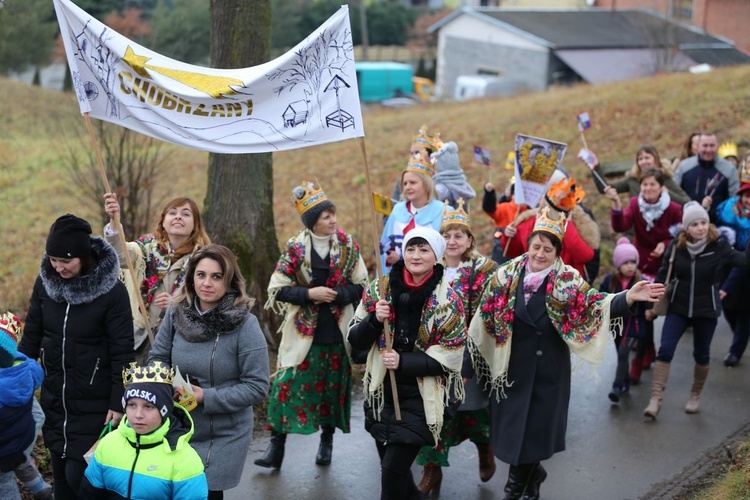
{"x":274,"y":455}
{"x":325,"y":450}
{"x":518,"y":478}
{"x":537,"y":477}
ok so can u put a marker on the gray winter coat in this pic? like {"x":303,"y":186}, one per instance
{"x":232,"y":369}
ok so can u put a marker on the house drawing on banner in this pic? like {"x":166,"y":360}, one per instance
{"x":295,"y":113}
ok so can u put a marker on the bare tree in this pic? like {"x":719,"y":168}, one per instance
{"x":132,"y":163}
{"x":239,"y":201}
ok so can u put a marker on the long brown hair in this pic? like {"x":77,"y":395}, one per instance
{"x":198,"y":238}
{"x":233,"y":280}
{"x":683,"y":237}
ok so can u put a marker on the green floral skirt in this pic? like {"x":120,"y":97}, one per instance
{"x":317,"y":392}
{"x":472,"y":425}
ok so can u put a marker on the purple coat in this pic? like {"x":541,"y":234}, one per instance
{"x":646,"y":241}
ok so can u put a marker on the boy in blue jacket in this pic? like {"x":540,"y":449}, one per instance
{"x":19,"y":378}
{"x":148,"y":456}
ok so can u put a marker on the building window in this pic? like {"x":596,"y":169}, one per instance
{"x":683,"y":9}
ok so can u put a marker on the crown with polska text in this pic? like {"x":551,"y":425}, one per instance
{"x":156,"y":372}
{"x":455,"y":216}
{"x":305,"y":196}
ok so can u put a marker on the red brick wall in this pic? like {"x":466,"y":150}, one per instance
{"x":726,"y":18}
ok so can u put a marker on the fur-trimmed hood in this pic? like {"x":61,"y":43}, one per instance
{"x":586,"y":226}
{"x":100,"y":279}
{"x":666,"y":168}
{"x":726,"y":233}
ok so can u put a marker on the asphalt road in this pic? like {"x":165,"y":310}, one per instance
{"x":613,"y":452}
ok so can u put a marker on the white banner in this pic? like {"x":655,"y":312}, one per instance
{"x":536,"y":160}
{"x":306,"y":97}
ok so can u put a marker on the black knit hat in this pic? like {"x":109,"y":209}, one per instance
{"x":69,"y":237}
{"x":156,"y":393}
{"x":312,"y":215}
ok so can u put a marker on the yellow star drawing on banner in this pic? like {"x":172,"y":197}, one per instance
{"x":215,"y":86}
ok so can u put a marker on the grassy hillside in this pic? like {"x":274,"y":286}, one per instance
{"x":38,"y":125}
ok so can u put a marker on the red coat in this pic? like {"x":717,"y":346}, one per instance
{"x":646,"y":241}
{"x":575,"y":251}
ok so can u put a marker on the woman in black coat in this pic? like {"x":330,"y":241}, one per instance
{"x":429,"y":331}
{"x":532,"y":314}
{"x":80,"y":327}
{"x":701,"y":261}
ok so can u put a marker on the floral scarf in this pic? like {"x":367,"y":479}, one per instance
{"x":158,"y":259}
{"x":295,"y":269}
{"x":442,"y":336}
{"x":471,"y":276}
{"x":652,"y":211}
{"x":579,"y":313}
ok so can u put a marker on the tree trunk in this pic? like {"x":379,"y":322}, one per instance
{"x":239,"y":200}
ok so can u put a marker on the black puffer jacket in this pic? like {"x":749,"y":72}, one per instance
{"x":412,"y":428}
{"x":82,"y":331}
{"x":698,"y":281}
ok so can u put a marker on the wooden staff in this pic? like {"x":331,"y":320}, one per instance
{"x":376,"y":242}
{"x":507,"y":243}
{"x":128,"y":261}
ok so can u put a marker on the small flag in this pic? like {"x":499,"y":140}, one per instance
{"x":588,"y":158}
{"x":510,"y":161}
{"x":584,"y":122}
{"x":482,"y":156}
{"x":383,"y":204}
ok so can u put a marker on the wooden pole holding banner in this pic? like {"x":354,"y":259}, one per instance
{"x":507,"y":243}
{"x":376,"y":242}
{"x":128,"y":261}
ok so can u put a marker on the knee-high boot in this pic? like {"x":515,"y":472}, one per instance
{"x":432,"y":478}
{"x":659,"y":383}
{"x":700,"y":373}
{"x":274,"y":454}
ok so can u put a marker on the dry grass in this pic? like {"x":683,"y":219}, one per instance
{"x":663,"y":111}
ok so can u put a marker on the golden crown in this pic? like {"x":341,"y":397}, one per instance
{"x":728,"y":149}
{"x":305,"y":196}
{"x":10,"y":323}
{"x":565,"y":195}
{"x":457,"y":216}
{"x":547,"y":224}
{"x":154,"y":372}
{"x":421,"y":164}
{"x":423,"y":141}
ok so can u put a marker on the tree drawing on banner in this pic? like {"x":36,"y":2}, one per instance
{"x":314,"y":66}
{"x":101,"y":61}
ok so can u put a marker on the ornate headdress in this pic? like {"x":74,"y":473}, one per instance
{"x":423,"y":141}
{"x":745,"y":173}
{"x":305,"y":196}
{"x":728,"y":149}
{"x":552,"y":226}
{"x":421,"y":164}
{"x":565,"y":195}
{"x":457,"y":216}
{"x":155,"y":372}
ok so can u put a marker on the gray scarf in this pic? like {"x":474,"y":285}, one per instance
{"x":696,"y":247}
{"x":652,"y":211}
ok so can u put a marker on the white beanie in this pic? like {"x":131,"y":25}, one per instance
{"x":691,"y":212}
{"x":433,"y":238}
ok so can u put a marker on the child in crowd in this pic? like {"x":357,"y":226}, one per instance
{"x":148,"y":456}
{"x":503,"y":212}
{"x":19,"y":378}
{"x":625,"y":259}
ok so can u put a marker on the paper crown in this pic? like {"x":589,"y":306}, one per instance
{"x":155,"y":372}
{"x":421,"y":164}
{"x":305,"y":196}
{"x":565,"y":194}
{"x":455,"y":216}
{"x":728,"y":149}
{"x":546,"y":224}
{"x":11,"y":324}
{"x":423,"y":141}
